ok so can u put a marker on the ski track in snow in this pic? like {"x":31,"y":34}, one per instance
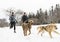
{"x":8,"y":35}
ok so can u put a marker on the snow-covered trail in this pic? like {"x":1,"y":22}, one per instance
{"x":7,"y":35}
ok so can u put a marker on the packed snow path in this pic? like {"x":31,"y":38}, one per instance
{"x":8,"y":35}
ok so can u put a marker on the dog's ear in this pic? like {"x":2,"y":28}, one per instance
{"x":56,"y":27}
{"x":30,"y":21}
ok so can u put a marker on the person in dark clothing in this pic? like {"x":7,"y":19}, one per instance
{"x":13,"y":22}
{"x":25,"y":18}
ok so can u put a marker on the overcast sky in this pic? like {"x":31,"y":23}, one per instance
{"x":28,"y":5}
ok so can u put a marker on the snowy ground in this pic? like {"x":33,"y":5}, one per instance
{"x":7,"y":35}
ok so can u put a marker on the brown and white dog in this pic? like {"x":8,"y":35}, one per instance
{"x":49,"y":28}
{"x":27,"y":27}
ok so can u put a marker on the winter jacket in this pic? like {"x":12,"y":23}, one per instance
{"x":24,"y":18}
{"x":12,"y":18}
